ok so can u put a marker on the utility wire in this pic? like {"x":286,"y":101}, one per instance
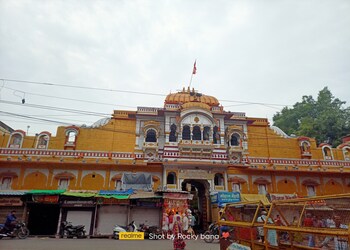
{"x":82,"y":87}
{"x":122,"y":91}
{"x":72,"y":99}
{"x":57,"y":108}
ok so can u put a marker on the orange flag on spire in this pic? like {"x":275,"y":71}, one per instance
{"x":194,"y":68}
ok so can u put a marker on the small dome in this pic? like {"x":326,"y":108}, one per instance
{"x":188,"y":105}
{"x":191,"y":96}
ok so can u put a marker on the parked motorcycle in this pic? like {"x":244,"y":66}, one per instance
{"x":70,"y":231}
{"x":147,"y":230}
{"x":20,"y":230}
{"x":212,"y":233}
{"x":129,"y":228}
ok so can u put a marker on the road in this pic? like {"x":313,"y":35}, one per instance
{"x":35,"y":243}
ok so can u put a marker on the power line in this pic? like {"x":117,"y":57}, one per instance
{"x":71,"y":99}
{"x":122,"y":91}
{"x":82,"y":87}
{"x":57,"y":108}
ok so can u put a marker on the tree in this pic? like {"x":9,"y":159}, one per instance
{"x":324,"y":119}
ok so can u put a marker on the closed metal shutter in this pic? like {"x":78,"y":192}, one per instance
{"x":109,"y":216}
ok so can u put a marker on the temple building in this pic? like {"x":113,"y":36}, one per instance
{"x":172,"y":157}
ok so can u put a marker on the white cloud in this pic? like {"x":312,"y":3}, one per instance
{"x":257,"y":51}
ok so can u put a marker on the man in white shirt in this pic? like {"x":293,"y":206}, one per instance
{"x":185,"y":223}
{"x":339,"y":243}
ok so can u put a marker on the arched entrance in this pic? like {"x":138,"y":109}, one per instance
{"x":200,"y":204}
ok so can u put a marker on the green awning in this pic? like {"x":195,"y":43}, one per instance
{"x":119,"y":197}
{"x":46,"y":192}
{"x":77,"y":194}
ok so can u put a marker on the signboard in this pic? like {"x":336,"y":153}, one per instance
{"x":177,"y":196}
{"x":148,"y":204}
{"x":222,"y":198}
{"x":277,"y":197}
{"x":112,"y":201}
{"x":195,"y":174}
{"x":45,"y":198}
{"x":10,"y":201}
{"x":78,"y":203}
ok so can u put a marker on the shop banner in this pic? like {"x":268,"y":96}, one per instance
{"x":222,"y":198}
{"x":106,"y":201}
{"x":177,"y":196}
{"x":278,"y":197}
{"x":77,"y":203}
{"x":45,"y":198}
{"x":170,"y":203}
{"x":10,"y":201}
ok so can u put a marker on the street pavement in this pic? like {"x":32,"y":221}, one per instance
{"x":45,"y":243}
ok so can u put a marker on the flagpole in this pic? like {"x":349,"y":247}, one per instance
{"x":193,"y":72}
{"x":191,"y":79}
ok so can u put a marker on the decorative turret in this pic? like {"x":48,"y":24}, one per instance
{"x":186,"y":96}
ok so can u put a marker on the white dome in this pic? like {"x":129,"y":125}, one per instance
{"x":100,"y":122}
{"x":280,"y":132}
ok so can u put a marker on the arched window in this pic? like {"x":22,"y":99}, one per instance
{"x":186,"y":132}
{"x":236,"y":187}
{"x":327,"y":153}
{"x":197,"y":135}
{"x":172,"y":136}
{"x":43,"y":141}
{"x":151,"y":136}
{"x":218,"y":179}
{"x":216,"y":135}
{"x":72,"y":135}
{"x":171,"y":178}
{"x":234,"y":140}
{"x":305,"y":146}
{"x":262,"y":189}
{"x":206,"y":132}
{"x":16,"y":141}
{"x":346,"y":152}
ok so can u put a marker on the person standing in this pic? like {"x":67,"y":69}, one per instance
{"x":185,"y":223}
{"x":339,"y":243}
{"x":261,"y":219}
{"x":192,"y":223}
{"x":165,"y":224}
{"x":308,"y":222}
{"x":178,"y":243}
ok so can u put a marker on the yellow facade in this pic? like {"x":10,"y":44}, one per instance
{"x":191,"y":136}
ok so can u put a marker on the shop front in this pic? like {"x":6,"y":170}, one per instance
{"x":146,"y":208}
{"x":43,"y":211}
{"x":174,"y":203}
{"x":12,"y":200}
{"x":79,"y":209}
{"x":111,"y":212}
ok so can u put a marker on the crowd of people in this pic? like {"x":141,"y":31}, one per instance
{"x":334,"y":221}
{"x":175,"y":224}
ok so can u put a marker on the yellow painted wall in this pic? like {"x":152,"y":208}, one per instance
{"x":36,"y":180}
{"x":286,"y":186}
{"x":89,"y":182}
{"x":332,"y":187}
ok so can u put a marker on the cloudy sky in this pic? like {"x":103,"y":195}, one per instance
{"x":89,"y":58}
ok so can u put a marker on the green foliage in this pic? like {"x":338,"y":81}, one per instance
{"x":324,"y":119}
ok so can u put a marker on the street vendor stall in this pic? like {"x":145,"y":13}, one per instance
{"x":311,"y":223}
{"x":243,"y":218}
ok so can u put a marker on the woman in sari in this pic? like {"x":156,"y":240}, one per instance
{"x":179,"y":243}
